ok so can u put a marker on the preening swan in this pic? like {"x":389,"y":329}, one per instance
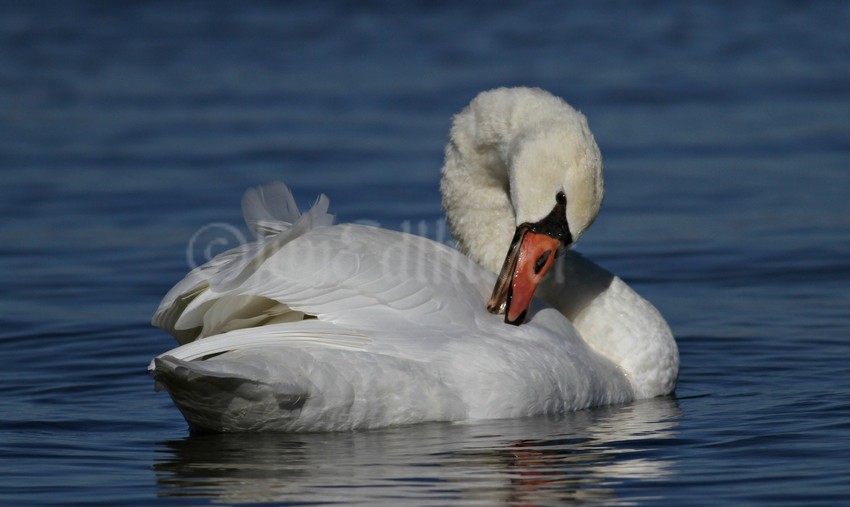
{"x":318,"y":327}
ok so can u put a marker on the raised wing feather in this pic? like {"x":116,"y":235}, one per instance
{"x":269,"y":209}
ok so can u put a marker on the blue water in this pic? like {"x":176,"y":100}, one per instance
{"x":127,"y":127}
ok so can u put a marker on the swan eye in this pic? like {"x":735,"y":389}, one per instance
{"x":561,"y":198}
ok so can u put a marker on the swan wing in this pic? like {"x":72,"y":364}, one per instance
{"x":271,"y":214}
{"x":356,"y":277}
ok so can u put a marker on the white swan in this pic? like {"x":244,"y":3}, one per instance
{"x":330,"y":327}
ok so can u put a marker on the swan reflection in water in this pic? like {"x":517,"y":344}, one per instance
{"x":580,"y":456}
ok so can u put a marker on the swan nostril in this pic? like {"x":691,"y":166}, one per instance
{"x":541,"y":261}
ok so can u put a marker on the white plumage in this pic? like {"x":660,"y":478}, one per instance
{"x":331,"y":327}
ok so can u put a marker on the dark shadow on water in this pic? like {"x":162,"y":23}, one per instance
{"x":585,"y":457}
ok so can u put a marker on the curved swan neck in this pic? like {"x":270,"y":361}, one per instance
{"x":476,"y":196}
{"x":475,"y":184}
{"x":511,"y":151}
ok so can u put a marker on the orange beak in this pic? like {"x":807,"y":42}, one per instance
{"x":529,"y":258}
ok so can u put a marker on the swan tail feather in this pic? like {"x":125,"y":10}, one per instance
{"x":218,"y":400}
{"x":317,"y":383}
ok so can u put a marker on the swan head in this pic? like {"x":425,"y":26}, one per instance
{"x":557,"y":161}
{"x":556,"y":190}
{"x":522,"y":181}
